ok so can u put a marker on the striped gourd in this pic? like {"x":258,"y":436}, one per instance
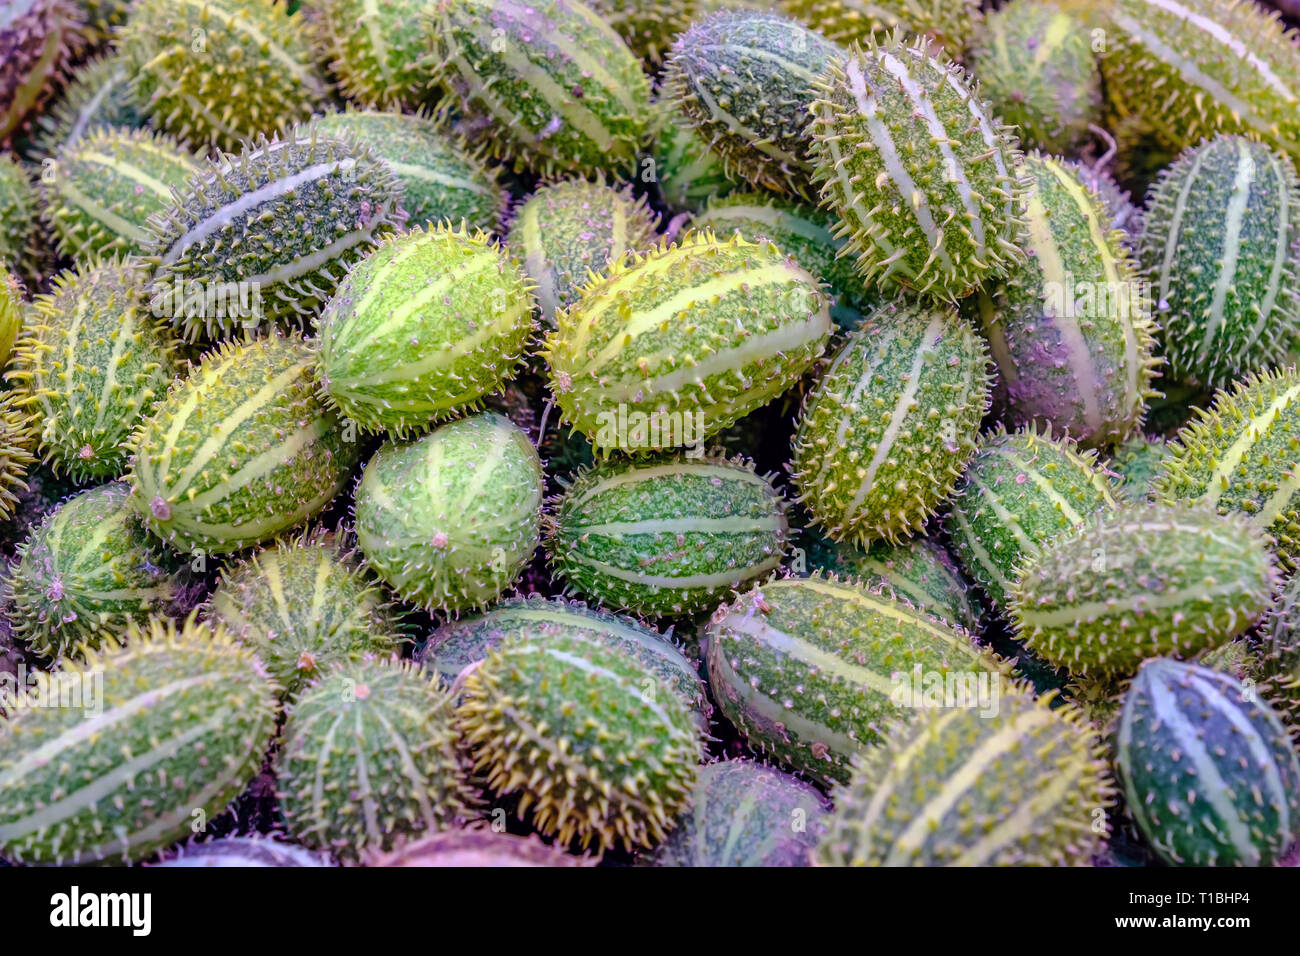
{"x":182,"y":718}
{"x":19,"y":207}
{"x":1189,"y":69}
{"x":266,"y":236}
{"x":460,"y":644}
{"x":38,"y":41}
{"x":685,"y":340}
{"x":1019,"y":493}
{"x":392,"y":774}
{"x":924,"y":180}
{"x":884,"y":436}
{"x":952,"y":24}
{"x":448,"y":521}
{"x":1069,"y":329}
{"x":1207,"y":768}
{"x":241,"y":450}
{"x":558,"y":90}
{"x":98,"y":94}
{"x":423,"y":328}
{"x":92,"y":362}
{"x":1142,"y":581}
{"x":374,"y":50}
{"x":666,"y":536}
{"x":574,"y":727}
{"x":687,"y":171}
{"x":1217,"y":246}
{"x":1137,"y":462}
{"x":244,"y":852}
{"x":100,"y":194}
{"x":810,"y":669}
{"x":1023,"y":786}
{"x":86,"y":572}
{"x":302,"y":606}
{"x":1241,"y":457}
{"x":478,"y":847}
{"x":567,"y":231}
{"x":745,"y":80}
{"x":439,"y":181}
{"x":220,"y":72}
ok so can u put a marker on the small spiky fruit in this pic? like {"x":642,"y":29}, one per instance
{"x":745,"y":814}
{"x":1240,"y":457}
{"x":450,"y":520}
{"x":573,"y":726}
{"x":244,"y":852}
{"x":650,"y":29}
{"x":219,"y":72}
{"x":930,"y":204}
{"x":302,"y":606}
{"x":561,"y":89}
{"x":1189,"y":69}
{"x":1038,"y":69}
{"x":1208,"y":769}
{"x":38,"y":40}
{"x":954,"y":786}
{"x":92,"y":362}
{"x":1276,"y":652}
{"x":19,"y":207}
{"x":744,"y":80}
{"x":1218,"y":244}
{"x":884,"y":436}
{"x":688,"y":172}
{"x":192,"y":714}
{"x":566,"y":232}
{"x":478,"y":847}
{"x":439,"y":181}
{"x":394,"y":772}
{"x":951,"y":24}
{"x":265,"y":236}
{"x":17,"y":444}
{"x":1019,"y":493}
{"x":1070,"y":328}
{"x":374,"y":50}
{"x":461,"y":644}
{"x":98,"y":94}
{"x":1124,"y":214}
{"x":1138,"y":462}
{"x":86,"y":572}
{"x":810,"y":669}
{"x":1142,"y":581}
{"x":241,"y":450}
{"x":423,"y":328}
{"x":99,"y":195}
{"x":667,"y":536}
{"x":684,"y":341}
{"x":11,"y":312}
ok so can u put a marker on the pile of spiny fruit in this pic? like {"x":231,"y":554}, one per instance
{"x":689,"y":432}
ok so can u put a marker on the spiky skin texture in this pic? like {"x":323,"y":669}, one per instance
{"x":1240,"y":457}
{"x":92,"y":362}
{"x":375,"y":51}
{"x":1218,"y":245}
{"x":279,"y":224}
{"x":196,"y":715}
{"x":744,"y":80}
{"x":423,"y":328}
{"x":19,"y":207}
{"x":668,"y":536}
{"x":688,"y":172}
{"x":86,"y":572}
{"x":99,"y":195}
{"x":575,"y":728}
{"x":1019,"y":493}
{"x":1277,"y":652}
{"x":931,"y":204}
{"x":479,"y":847}
{"x":562,"y":91}
{"x":1208,"y":769}
{"x":461,"y":644}
{"x":951,"y":24}
{"x":1137,"y":462}
{"x":957,"y":787}
{"x":394,"y":773}
{"x":439,"y":181}
{"x":302,"y":606}
{"x":697,"y":333}
{"x":917,"y":570}
{"x":28,"y":491}
{"x":1037,"y":67}
{"x":804,"y":232}
{"x":884,"y":436}
{"x":38,"y":39}
{"x":807,"y":668}
{"x":565,"y":233}
{"x":220,"y":72}
{"x":1189,"y":69}
{"x":1070,"y":328}
{"x":650,"y":29}
{"x":1139,"y":582}
{"x":244,"y":852}
{"x":98,"y":94}
{"x":102,"y":19}
{"x":745,"y":814}
{"x":241,"y":450}
{"x":450,"y":520}
{"x":1124,"y":214}
{"x":11,"y":312}
{"x":17,"y":444}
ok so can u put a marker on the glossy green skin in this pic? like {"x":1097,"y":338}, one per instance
{"x":98,"y":94}
{"x":375,"y":51}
